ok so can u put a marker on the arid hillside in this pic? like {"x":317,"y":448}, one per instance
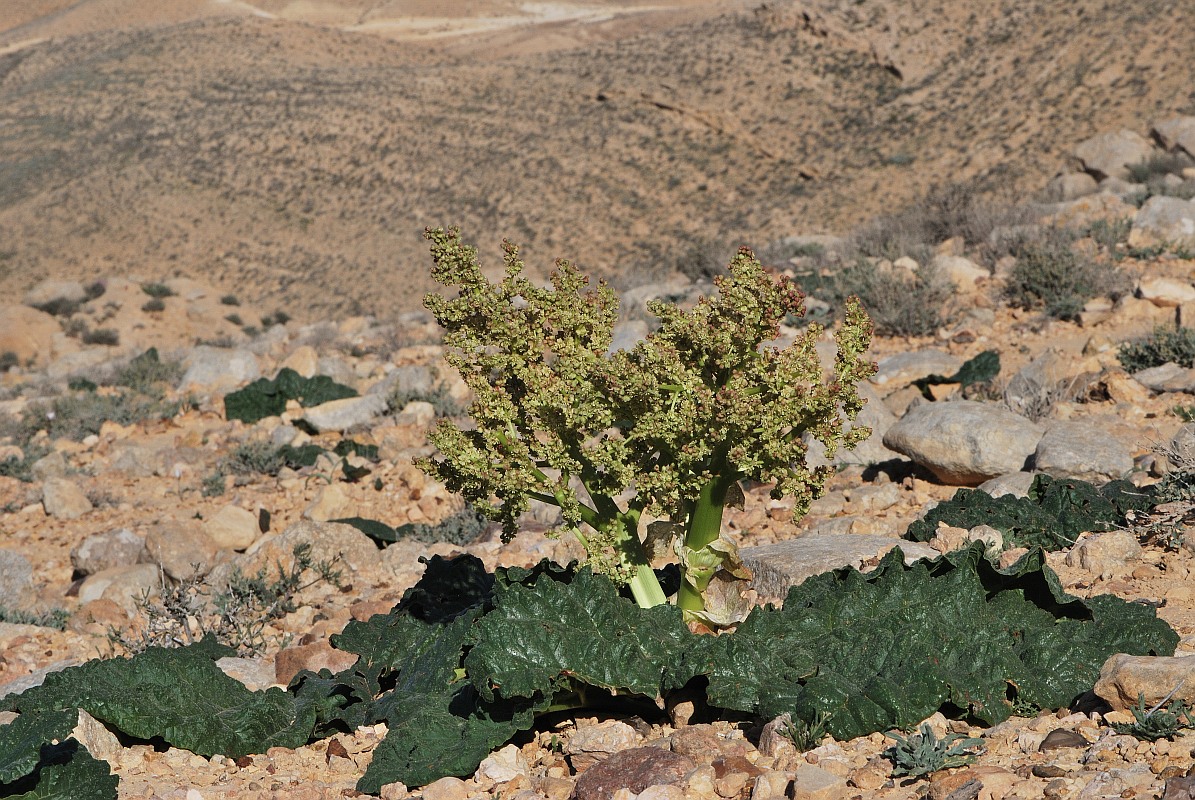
{"x":288,"y":153}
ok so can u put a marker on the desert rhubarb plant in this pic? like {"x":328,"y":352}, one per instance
{"x":674,"y":424}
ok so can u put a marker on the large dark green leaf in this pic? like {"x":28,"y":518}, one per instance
{"x":1056,"y":511}
{"x":267,"y":398}
{"x":179,"y":695}
{"x":434,"y":735}
{"x":889,"y":648}
{"x":582,"y":629}
{"x":38,"y":759}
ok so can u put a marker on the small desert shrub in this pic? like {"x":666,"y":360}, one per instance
{"x":212,"y":484}
{"x":235,"y":319}
{"x":1049,"y":275}
{"x":1165,"y":344}
{"x":95,"y":289}
{"x":147,"y":373}
{"x":230,"y":300}
{"x":955,"y":210}
{"x":54,"y":618}
{"x":701,"y":259}
{"x":21,"y":467}
{"x":237,"y":615}
{"x":158,"y":290}
{"x":1108,"y":234}
{"x":264,"y":458}
{"x":443,"y":402}
{"x":1159,"y":166}
{"x":104,"y":336}
{"x":153,"y":305}
{"x":277,"y":318}
{"x":78,"y":415}
{"x":59,"y":307}
{"x":8,"y":360}
{"x":900,"y":303}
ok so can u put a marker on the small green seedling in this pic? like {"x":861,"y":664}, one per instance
{"x":669,"y":428}
{"x":807,"y":735}
{"x":1156,"y":723}
{"x":924,"y":753}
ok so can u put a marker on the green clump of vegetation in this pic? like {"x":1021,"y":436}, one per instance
{"x":78,"y":415}
{"x":157,"y":290}
{"x":102,"y":336}
{"x":923,"y":753}
{"x":1167,"y":343}
{"x":264,"y":458}
{"x":8,"y":360}
{"x":806,"y":734}
{"x":1051,"y":276}
{"x":21,"y":467}
{"x":153,"y":305}
{"x":1151,"y":724}
{"x":230,"y":300}
{"x":267,"y":398}
{"x":1052,"y":516}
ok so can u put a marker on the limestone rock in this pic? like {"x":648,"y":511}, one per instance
{"x":962,"y":272}
{"x":52,"y":465}
{"x":28,"y":334}
{"x":814,"y":783}
{"x":1015,"y":483}
{"x":964,"y":442}
{"x":100,"y":742}
{"x":62,"y":499}
{"x":1165,"y":292}
{"x":101,"y":551}
{"x":1082,"y":450}
{"x":349,"y":412}
{"x":1106,"y":555}
{"x":16,"y":579}
{"x":50,"y":292}
{"x":1164,"y":220}
{"x":216,"y":369}
{"x":254,"y":673}
{"x":124,"y":586}
{"x":182,"y":549}
{"x":304,"y":360}
{"x":446,"y":789}
{"x":776,"y":567}
{"x":595,"y":743}
{"x":903,"y":368}
{"x":1177,"y":133}
{"x":330,"y":502}
{"x":1124,"y":676}
{"x":504,"y":765}
{"x":330,"y":541}
{"x":1071,"y":186}
{"x":232,"y":528}
{"x":1168,"y":377}
{"x":1110,"y":154}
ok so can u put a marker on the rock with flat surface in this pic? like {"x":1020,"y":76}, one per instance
{"x":903,"y":368}
{"x":51,"y":292}
{"x":964,"y":442}
{"x":1168,"y":377}
{"x":28,"y":334}
{"x":594,"y":743}
{"x":1015,"y":483}
{"x":1165,"y":292}
{"x":1109,"y":155}
{"x":349,"y":412}
{"x":63,"y":499}
{"x":1082,"y":450}
{"x":633,"y":769}
{"x":1109,"y":554}
{"x":1176,"y":133}
{"x":1123,"y":677}
{"x":216,"y":369}
{"x":1164,"y":221}
{"x":1071,"y":186}
{"x":232,"y":528}
{"x":182,"y":549}
{"x":16,"y":579}
{"x":315,"y":656}
{"x":962,"y":272}
{"x":811,"y":782}
{"x":777,"y":567}
{"x":101,"y":551}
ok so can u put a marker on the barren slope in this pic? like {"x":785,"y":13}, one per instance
{"x":298,"y":164}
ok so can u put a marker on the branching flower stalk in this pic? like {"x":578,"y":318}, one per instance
{"x":668,"y":428}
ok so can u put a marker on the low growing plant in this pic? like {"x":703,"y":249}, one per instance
{"x":1051,"y":276}
{"x":924,"y":753}
{"x":158,"y":290}
{"x":677,"y":422}
{"x":1151,"y":724}
{"x":901,"y":303}
{"x":1167,"y":343}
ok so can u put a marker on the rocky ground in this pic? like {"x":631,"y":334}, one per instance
{"x":106,"y":516}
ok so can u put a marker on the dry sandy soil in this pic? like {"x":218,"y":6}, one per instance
{"x":294,"y":151}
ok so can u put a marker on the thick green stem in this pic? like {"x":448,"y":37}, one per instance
{"x":705,"y":525}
